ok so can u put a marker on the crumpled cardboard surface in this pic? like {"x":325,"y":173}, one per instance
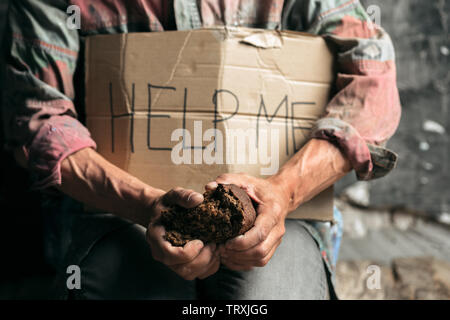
{"x":179,"y":108}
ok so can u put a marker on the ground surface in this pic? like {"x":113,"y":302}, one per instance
{"x":410,"y":254}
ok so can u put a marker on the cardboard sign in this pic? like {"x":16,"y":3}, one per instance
{"x":179,"y":108}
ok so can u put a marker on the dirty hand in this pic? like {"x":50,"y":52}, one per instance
{"x":257,"y":246}
{"x":194,"y":260}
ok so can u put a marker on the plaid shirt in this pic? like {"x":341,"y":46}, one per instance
{"x":45,"y":61}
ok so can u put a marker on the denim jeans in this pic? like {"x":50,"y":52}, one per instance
{"x":119,"y":265}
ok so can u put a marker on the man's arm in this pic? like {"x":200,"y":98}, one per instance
{"x":91,"y":179}
{"x":43,"y":132}
{"x":40,"y":120}
{"x":362,"y":116}
{"x":41,"y":125}
{"x":365,"y":111}
{"x":317,"y":166}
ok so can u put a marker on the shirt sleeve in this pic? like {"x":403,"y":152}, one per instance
{"x":38,"y":111}
{"x":365,"y":111}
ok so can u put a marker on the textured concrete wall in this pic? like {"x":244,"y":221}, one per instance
{"x":420,"y":31}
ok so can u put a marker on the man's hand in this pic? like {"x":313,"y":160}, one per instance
{"x":257,"y":246}
{"x":89,"y":178}
{"x":314,"y":168}
{"x":194,"y":260}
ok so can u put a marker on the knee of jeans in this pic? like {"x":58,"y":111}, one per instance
{"x":107,"y":264}
{"x":296,"y":271}
{"x":297,"y":232}
{"x":120,"y":266}
{"x":298,"y":240}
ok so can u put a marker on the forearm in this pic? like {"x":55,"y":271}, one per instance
{"x":91,"y":179}
{"x":365,"y":110}
{"x":317,"y":166}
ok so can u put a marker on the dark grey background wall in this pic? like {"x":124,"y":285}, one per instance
{"x":420,"y":31}
{"x":3,"y":5}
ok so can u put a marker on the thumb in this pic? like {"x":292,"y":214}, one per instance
{"x":183,"y":197}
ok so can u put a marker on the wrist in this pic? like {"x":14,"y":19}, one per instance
{"x":149,"y":197}
{"x":144,"y":204}
{"x":282,"y":184}
{"x":93,"y":180}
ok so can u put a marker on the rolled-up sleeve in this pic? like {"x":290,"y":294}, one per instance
{"x":38,"y":111}
{"x":365,"y":111}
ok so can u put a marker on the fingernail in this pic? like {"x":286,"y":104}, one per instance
{"x":212,"y":185}
{"x":197,"y":243}
{"x":196,"y":197}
